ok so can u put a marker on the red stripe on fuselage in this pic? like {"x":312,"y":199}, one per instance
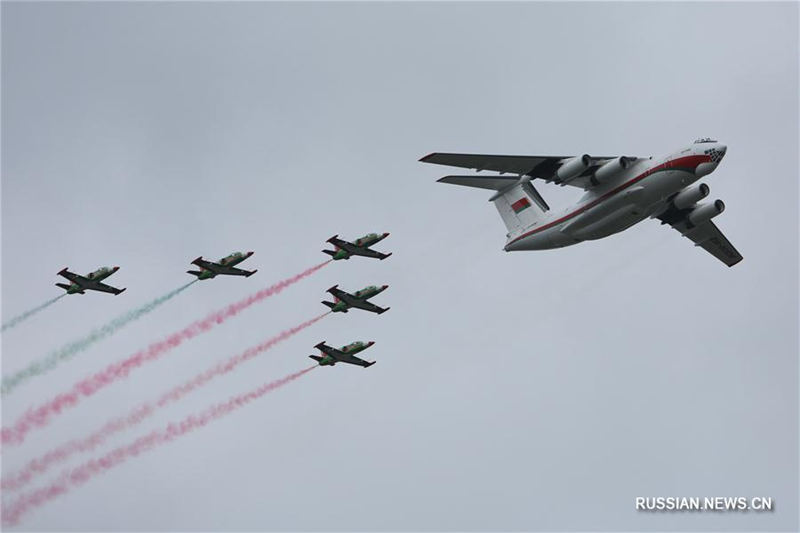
{"x":688,"y":163}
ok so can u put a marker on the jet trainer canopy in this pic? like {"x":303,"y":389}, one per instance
{"x":702,"y":140}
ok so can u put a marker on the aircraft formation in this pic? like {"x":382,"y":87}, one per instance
{"x":620,"y":191}
{"x":342,"y":300}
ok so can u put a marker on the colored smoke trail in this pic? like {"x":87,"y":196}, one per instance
{"x":37,"y":368}
{"x":90,"y":469}
{"x":138,"y":414}
{"x":29,"y":313}
{"x":41,"y":416}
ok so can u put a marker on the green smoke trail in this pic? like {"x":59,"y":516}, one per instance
{"x":72,"y":349}
{"x":17,"y":319}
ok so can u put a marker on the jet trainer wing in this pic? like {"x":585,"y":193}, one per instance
{"x":367,"y":306}
{"x":352,"y":249}
{"x":339,"y":293}
{"x":75,"y":278}
{"x":537,"y":166}
{"x":709,"y":237}
{"x":327,"y":350}
{"x":102,"y":287}
{"x":353,"y":360}
{"x":216,"y":268}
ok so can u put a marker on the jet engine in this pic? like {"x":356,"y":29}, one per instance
{"x":573,"y":167}
{"x":690,"y":196}
{"x":705,"y":212}
{"x":611,"y":169}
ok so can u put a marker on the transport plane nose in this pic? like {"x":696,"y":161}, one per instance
{"x":715,"y":153}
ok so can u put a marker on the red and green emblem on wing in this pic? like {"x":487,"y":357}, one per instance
{"x":521,"y":204}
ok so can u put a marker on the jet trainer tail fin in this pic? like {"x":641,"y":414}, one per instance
{"x":520,"y":205}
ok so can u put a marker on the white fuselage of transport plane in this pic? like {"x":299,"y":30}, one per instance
{"x":619,"y":192}
{"x":636,"y":193}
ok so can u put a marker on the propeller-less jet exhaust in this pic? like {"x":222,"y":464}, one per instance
{"x":361,"y":246}
{"x":91,"y":282}
{"x":346,"y":354}
{"x":225,"y":266}
{"x":343,"y":301}
{"x":620,"y":191}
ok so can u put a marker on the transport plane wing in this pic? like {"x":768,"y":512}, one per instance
{"x":708,"y":236}
{"x":545,"y":167}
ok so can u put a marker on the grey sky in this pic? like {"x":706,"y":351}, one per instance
{"x":523,"y":391}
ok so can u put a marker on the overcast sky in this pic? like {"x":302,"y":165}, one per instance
{"x":522,"y":391}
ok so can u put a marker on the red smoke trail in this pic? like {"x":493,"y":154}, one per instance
{"x":42,"y":415}
{"x":138,"y":414}
{"x":88,"y":470}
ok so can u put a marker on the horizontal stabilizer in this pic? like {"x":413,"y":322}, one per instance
{"x":316,"y":358}
{"x":384,"y":310}
{"x":194,"y":272}
{"x":329,"y":252}
{"x":63,"y":286}
{"x":494,"y":183}
{"x":329,"y":304}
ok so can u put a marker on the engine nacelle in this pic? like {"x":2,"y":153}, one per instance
{"x":572,"y":168}
{"x":705,"y":212}
{"x":611,"y":169}
{"x":690,"y":196}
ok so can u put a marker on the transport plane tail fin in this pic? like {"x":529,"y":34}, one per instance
{"x":520,"y":205}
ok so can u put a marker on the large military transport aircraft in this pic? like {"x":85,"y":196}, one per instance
{"x":90,"y":282}
{"x":620,"y":191}
{"x":344,"y":300}
{"x":225,"y":266}
{"x":346,"y":354}
{"x":360,"y":246}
